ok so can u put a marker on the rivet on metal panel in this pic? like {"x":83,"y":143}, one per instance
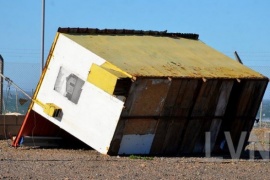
{"x":238,"y":80}
{"x":204,"y":79}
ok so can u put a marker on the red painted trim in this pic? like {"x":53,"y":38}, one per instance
{"x":15,"y":143}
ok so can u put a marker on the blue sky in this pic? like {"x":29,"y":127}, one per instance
{"x":227,"y":26}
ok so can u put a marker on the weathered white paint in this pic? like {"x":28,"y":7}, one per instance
{"x":94,"y":118}
{"x":136,"y":144}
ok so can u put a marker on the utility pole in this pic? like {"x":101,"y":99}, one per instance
{"x":42,"y":34}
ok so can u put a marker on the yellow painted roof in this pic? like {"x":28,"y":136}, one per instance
{"x":161,"y":56}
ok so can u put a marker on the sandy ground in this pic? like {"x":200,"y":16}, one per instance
{"x":39,"y":163}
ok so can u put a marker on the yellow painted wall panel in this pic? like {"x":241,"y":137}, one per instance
{"x":102,"y":78}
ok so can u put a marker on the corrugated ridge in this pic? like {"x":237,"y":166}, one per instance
{"x":126,"y":32}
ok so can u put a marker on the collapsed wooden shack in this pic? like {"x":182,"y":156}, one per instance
{"x":142,"y":92}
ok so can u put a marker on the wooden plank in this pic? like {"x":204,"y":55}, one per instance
{"x":225,"y":91}
{"x":135,"y":88}
{"x":173,"y":136}
{"x":201,"y":109}
{"x":181,"y":91}
{"x":160,"y":134}
{"x":190,"y":136}
{"x":163,"y":123}
{"x":236,"y":130}
{"x":202,"y":102}
{"x":204,"y":106}
{"x":224,"y":94}
{"x":244,"y":98}
{"x":243,"y":106}
{"x":149,"y":94}
{"x":182,"y":108}
{"x":186,"y":98}
{"x":257,"y":96}
{"x":214,"y":131}
{"x":217,"y":102}
{"x":140,"y":126}
{"x":231,"y":110}
{"x":118,"y":134}
{"x":199,"y":145}
{"x":245,"y":110}
{"x":172,"y":95}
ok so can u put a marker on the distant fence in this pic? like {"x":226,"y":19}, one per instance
{"x":24,"y":75}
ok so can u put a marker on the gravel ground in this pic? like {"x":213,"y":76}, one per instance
{"x":38,"y":163}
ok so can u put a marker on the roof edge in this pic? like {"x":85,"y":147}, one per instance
{"x":96,"y":31}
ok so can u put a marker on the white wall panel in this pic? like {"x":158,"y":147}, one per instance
{"x":95,"y":116}
{"x":136,"y":144}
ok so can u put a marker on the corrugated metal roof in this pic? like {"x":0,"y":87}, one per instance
{"x":156,"y":55}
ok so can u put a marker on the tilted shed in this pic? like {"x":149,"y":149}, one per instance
{"x":142,"y":92}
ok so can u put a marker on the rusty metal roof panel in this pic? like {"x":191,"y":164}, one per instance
{"x":160,"y":55}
